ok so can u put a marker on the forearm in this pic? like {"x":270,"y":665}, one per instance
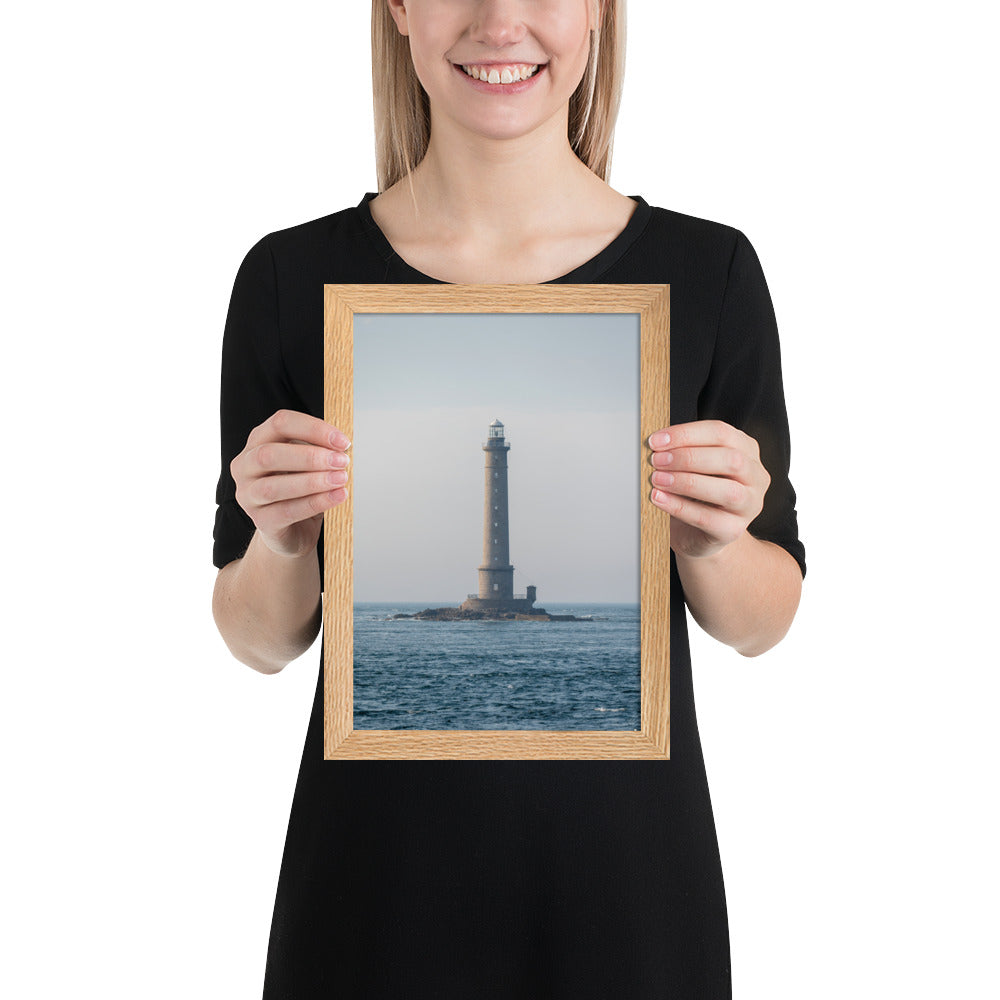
{"x":267,"y":606}
{"x":745,"y":595}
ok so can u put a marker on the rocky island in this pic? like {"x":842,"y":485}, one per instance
{"x":490,"y":614}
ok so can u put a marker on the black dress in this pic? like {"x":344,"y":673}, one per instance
{"x":521,"y":880}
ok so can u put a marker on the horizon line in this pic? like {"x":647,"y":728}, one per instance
{"x":561,"y":601}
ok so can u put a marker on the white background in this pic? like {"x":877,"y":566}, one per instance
{"x":148,"y":775}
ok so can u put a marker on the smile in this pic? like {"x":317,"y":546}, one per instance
{"x":505,"y":73}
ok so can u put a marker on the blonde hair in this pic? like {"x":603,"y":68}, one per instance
{"x":403,"y":113}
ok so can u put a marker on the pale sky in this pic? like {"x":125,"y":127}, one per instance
{"x":566,"y":388}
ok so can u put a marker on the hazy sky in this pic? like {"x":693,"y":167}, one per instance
{"x":566,"y":388}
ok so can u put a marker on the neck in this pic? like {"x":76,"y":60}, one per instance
{"x":500,"y":186}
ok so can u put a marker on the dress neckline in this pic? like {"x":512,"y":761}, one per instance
{"x":585,"y":272}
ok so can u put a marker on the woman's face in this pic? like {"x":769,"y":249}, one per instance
{"x":501,"y":40}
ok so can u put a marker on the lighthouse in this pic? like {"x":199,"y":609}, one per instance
{"x":496,"y":575}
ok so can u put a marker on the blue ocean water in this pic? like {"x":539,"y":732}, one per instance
{"x":411,"y":674}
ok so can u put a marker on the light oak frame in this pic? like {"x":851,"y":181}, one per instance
{"x":652,"y":742}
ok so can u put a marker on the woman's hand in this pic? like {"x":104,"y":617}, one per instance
{"x":293,"y":468}
{"x":710,"y":480}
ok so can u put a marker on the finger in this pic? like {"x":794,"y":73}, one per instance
{"x":278,"y":457}
{"x":702,"y":433}
{"x":713,"y":522}
{"x":276,"y":517}
{"x":272,"y":489}
{"x":728,"y":462}
{"x":285,"y":425}
{"x":726,"y":494}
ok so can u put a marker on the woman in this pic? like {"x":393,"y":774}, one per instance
{"x":512,"y":879}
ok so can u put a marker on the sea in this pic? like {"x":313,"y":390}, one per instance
{"x":412,"y":674}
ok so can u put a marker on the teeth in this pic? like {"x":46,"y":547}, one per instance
{"x":509,"y":74}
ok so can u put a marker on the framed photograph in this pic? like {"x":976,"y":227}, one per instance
{"x":497,"y":582}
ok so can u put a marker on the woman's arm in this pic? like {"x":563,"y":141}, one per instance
{"x":267,"y":603}
{"x":267,"y":606}
{"x":742,"y":590}
{"x":746,"y":595}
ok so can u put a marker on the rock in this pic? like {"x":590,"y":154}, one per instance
{"x":465,"y":615}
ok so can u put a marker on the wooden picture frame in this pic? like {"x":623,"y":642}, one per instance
{"x":652,"y":741}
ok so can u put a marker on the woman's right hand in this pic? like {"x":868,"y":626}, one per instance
{"x":293,"y":468}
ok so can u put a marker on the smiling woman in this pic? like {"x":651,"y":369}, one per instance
{"x":445,"y":36}
{"x":504,"y":878}
{"x":402,"y":102}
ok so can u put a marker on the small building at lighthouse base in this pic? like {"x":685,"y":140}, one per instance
{"x":523,"y":603}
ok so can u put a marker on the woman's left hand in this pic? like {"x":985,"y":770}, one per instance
{"x":710,"y":480}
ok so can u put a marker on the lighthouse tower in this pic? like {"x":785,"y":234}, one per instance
{"x":496,"y":575}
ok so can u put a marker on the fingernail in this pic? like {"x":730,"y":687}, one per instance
{"x":659,"y":495}
{"x":659,"y":439}
{"x":340,"y":440}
